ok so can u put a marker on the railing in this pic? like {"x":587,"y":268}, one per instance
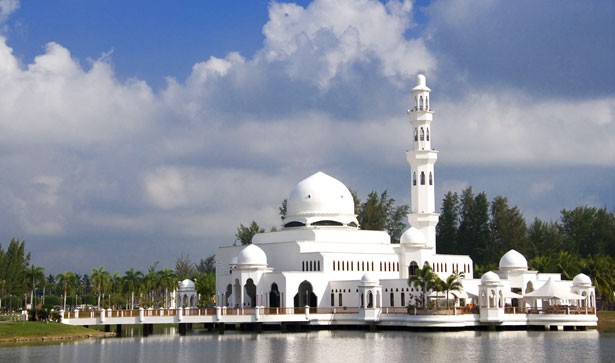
{"x":153,"y":312}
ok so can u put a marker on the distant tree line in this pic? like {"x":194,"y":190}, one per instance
{"x":583,"y":240}
{"x":23,"y":284}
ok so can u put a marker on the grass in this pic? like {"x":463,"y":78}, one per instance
{"x":19,"y":331}
{"x":606,"y":321}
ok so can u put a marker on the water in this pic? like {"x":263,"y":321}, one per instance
{"x":329,"y":346}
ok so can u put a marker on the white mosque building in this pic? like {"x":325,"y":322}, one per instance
{"x":322,"y":259}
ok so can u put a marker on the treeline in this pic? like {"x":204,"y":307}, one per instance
{"x":582,"y":240}
{"x":23,"y":284}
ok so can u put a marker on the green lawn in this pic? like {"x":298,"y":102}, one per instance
{"x":30,"y":330}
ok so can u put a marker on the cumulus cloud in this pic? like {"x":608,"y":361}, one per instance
{"x":91,"y":159}
{"x":7,"y":7}
{"x":324,"y":39}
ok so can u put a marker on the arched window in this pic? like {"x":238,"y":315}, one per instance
{"x":422,"y":134}
{"x":422,"y":178}
{"x":427,"y":104}
{"x":420,"y":102}
{"x":430,"y":179}
{"x":416,"y":134}
{"x":414,"y":178}
{"x":428,"y":134}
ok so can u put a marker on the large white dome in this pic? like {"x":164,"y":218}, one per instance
{"x":252,"y":255}
{"x":320,"y":200}
{"x":513,"y":260}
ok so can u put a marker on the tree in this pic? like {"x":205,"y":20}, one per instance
{"x":168,"y":281}
{"x":424,"y":278}
{"x":69,"y":282}
{"x":206,"y":287}
{"x":283,"y":209}
{"x":34,"y":276}
{"x":474,"y":225}
{"x":14,"y":263}
{"x":448,"y":225}
{"x":544,"y":238}
{"x":507,"y":228}
{"x":245,"y":234}
{"x":452,"y":283}
{"x":380,"y":213}
{"x":132,"y":282}
{"x":207,"y":265}
{"x":184,"y":268}
{"x":100,"y":278}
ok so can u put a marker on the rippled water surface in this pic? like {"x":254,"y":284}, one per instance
{"x":330,"y":346}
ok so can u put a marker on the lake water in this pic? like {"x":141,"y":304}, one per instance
{"x":329,"y":346}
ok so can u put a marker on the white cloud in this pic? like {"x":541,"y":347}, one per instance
{"x":510,"y":127}
{"x":327,"y":37}
{"x":7,"y":7}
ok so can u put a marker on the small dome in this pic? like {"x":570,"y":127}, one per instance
{"x":320,"y":200}
{"x":368,"y":277}
{"x":412,"y":236}
{"x":513,"y":260}
{"x":490,"y":277}
{"x":421,"y":84}
{"x":186,"y":285}
{"x":252,"y":255}
{"x":582,"y":280}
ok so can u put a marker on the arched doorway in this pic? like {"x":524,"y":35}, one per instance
{"x":237,"y":294}
{"x":274,"y":296}
{"x":250,"y":289}
{"x":227,"y":294}
{"x":305,"y":296}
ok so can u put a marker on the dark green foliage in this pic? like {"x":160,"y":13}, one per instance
{"x":448,"y":226}
{"x":245,"y":234}
{"x":379,"y":213}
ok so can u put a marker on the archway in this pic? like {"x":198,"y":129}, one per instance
{"x":227,"y":294}
{"x":274,"y":296}
{"x":412,"y":268}
{"x":250,"y":289}
{"x":237,"y":293}
{"x":305,"y":295}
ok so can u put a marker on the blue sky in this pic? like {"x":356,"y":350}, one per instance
{"x":154,"y":128}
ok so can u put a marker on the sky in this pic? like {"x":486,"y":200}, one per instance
{"x":140,"y":132}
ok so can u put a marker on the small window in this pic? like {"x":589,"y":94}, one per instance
{"x":422,"y":178}
{"x":414,"y":178}
{"x":428,"y":134}
{"x":430,"y":179}
{"x":422,"y":134}
{"x":340,"y":299}
{"x":416,"y":134}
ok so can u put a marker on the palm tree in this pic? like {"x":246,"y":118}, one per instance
{"x":100,"y":278}
{"x":69,"y":282}
{"x":34,"y":275}
{"x":168,"y":281}
{"x":132,"y":282}
{"x":425,"y":278}
{"x":452,"y":283}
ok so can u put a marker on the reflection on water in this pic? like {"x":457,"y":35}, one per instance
{"x":330,"y":346}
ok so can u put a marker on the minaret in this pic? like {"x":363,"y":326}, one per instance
{"x":422,"y":159}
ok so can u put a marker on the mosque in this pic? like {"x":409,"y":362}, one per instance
{"x":322,"y":259}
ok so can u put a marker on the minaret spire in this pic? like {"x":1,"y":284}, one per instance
{"x":422,"y":159}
